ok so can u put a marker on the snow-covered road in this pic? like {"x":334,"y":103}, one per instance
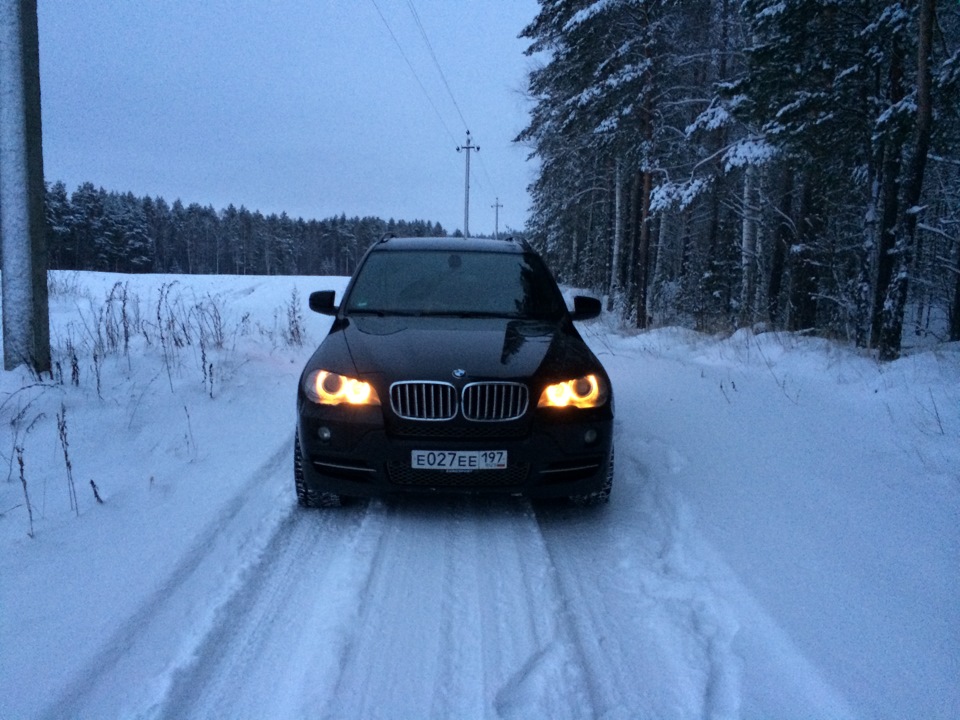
{"x":459,"y":608}
{"x":437,"y":607}
{"x":781,"y":542}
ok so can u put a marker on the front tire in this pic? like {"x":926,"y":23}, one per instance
{"x":308,"y":497}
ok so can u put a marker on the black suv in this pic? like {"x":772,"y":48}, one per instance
{"x":453,"y":365}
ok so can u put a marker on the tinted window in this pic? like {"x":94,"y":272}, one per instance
{"x":431,"y":282}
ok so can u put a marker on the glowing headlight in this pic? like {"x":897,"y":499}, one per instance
{"x":583,"y":392}
{"x":327,"y":388}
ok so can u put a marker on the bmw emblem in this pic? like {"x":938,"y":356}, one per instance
{"x":459,"y":373}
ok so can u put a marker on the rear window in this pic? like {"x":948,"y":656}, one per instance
{"x":432,"y":282}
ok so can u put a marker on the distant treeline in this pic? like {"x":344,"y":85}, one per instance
{"x":93,"y":229}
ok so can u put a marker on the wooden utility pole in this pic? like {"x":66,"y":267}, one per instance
{"x":26,"y":326}
{"x":496,"y":218}
{"x":466,"y":193}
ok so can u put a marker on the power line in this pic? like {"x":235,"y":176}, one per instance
{"x":415,"y":75}
{"x":483,"y":165}
{"x":423,"y":34}
{"x":443,"y":77}
{"x":446,"y":84}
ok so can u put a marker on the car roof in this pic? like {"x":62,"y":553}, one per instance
{"x":508,"y":245}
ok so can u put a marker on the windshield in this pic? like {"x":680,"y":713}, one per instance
{"x":433,"y":282}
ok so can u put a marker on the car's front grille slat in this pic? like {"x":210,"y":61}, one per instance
{"x":424,"y":400}
{"x":495,"y":401}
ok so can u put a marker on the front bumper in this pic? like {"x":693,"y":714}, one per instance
{"x":350,"y":452}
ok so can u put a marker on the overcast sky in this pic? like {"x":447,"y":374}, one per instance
{"x":303,"y":106}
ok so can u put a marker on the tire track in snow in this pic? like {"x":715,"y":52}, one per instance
{"x":508,"y":656}
{"x":110,"y":679}
{"x":277,"y":641}
{"x":689,"y":579}
{"x":458,"y":619}
{"x":201,"y":676}
{"x":460,"y":686}
{"x":389,"y":659}
{"x":655,"y":637}
{"x":554,"y":661}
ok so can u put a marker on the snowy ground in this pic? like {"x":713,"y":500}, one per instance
{"x":783,"y":539}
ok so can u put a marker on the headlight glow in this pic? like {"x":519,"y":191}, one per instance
{"x":583,"y":392}
{"x":327,"y":388}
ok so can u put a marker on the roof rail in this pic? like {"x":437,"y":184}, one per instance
{"x":387,"y":236}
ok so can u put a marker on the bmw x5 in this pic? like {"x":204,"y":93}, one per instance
{"x":453,"y":366}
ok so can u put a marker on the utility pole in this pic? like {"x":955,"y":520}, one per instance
{"x":26,"y":326}
{"x":466,"y":192}
{"x":496,"y":218}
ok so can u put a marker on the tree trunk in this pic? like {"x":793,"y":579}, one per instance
{"x":658,"y":264}
{"x":614,"y":284}
{"x":890,"y":195}
{"x":748,"y":248}
{"x":780,"y":244}
{"x":633,"y":234}
{"x":955,"y":314}
{"x":867,"y":268}
{"x":804,"y":271}
{"x":643,"y":252}
{"x":896,"y":298}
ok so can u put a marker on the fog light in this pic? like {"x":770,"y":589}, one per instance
{"x":324,"y":434}
{"x":590,"y":436}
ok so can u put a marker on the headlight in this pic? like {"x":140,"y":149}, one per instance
{"x":327,"y":388}
{"x":583,"y":392}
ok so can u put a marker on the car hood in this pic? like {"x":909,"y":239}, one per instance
{"x":433,"y":348}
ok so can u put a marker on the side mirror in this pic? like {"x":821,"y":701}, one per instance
{"x":322,"y":302}
{"x":585,"y":308}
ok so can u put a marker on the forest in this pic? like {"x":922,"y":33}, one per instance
{"x":95,"y":229}
{"x":784,"y":164}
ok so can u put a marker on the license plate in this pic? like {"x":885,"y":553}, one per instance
{"x":459,"y":460}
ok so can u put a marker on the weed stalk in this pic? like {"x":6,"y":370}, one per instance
{"x":65,"y":444}
{"x":26,"y":495}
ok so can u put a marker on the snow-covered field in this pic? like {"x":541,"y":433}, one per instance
{"x":783,"y":539}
